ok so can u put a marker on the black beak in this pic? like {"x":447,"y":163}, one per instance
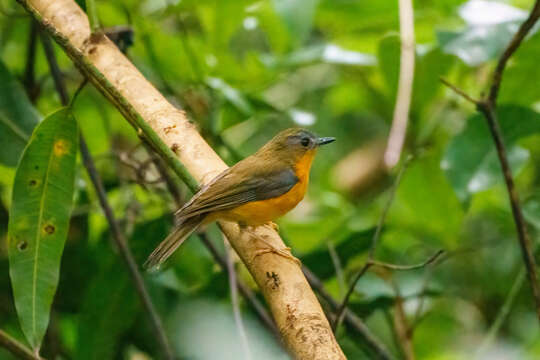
{"x":325,"y":140}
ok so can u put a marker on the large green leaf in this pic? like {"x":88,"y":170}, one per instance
{"x":17,"y":118}
{"x":470,"y":162}
{"x":109,"y":309}
{"x":39,"y":219}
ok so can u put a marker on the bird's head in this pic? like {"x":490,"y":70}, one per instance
{"x":294,"y":144}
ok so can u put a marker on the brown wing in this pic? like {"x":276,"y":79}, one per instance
{"x":240,"y":184}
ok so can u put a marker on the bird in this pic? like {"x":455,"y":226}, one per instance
{"x":255,"y":191}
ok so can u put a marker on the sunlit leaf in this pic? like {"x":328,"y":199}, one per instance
{"x":39,"y":219}
{"x":490,"y":26}
{"x":17,"y":118}
{"x":327,"y":53}
{"x":470,"y":162}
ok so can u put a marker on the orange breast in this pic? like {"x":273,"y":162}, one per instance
{"x":260,"y":212}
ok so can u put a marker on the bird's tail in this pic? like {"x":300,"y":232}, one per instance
{"x":173,"y":241}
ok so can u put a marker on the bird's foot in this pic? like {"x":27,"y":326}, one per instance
{"x":285,"y":252}
{"x":273,"y":225}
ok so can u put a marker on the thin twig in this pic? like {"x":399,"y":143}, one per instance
{"x":246,"y":292}
{"x":405,"y":85}
{"x":510,"y":50}
{"x":401,"y":325}
{"x":16,"y":348}
{"x":396,"y":267}
{"x":29,"y":79}
{"x":459,"y":91}
{"x":337,"y":265}
{"x":374,"y":242}
{"x":502,"y":313}
{"x":121,"y":243}
{"x":117,"y":234}
{"x":487,"y":106}
{"x":233,"y":286}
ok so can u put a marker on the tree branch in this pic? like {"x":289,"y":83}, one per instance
{"x":374,"y":243}
{"x":487,"y":106}
{"x":117,"y":234}
{"x":16,"y":348}
{"x":405,"y":85}
{"x":293,"y":304}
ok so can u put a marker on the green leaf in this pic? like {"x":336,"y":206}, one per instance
{"x":471,"y":163}
{"x":490,"y":27}
{"x":388,"y":54}
{"x":17,"y":118}
{"x":531,"y":209}
{"x":325,"y":53}
{"x":39,"y":219}
{"x":518,"y":87}
{"x":297,"y":16}
{"x":109,"y":309}
{"x":320,"y":262}
{"x":430,"y":64}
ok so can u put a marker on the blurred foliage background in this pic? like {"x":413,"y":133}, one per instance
{"x":243,"y":70}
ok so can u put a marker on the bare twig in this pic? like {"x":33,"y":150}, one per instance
{"x":487,"y":106}
{"x":401,"y":325}
{"x":337,"y":265}
{"x":510,"y":50}
{"x":459,"y":91}
{"x":246,"y":292}
{"x":16,"y":348}
{"x":502,"y":313}
{"x":233,"y":286}
{"x":117,"y":234}
{"x":374,"y":242}
{"x":405,"y":85}
{"x":29,"y":80}
{"x":121,"y":243}
{"x":433,"y":258}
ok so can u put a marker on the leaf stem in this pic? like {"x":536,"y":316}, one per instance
{"x":16,"y":348}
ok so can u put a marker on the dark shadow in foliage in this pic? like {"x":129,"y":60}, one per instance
{"x":320,"y":262}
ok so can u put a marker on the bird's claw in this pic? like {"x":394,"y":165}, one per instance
{"x":273,"y":225}
{"x":285,"y":252}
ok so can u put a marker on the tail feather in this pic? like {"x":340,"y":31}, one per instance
{"x":167,"y":247}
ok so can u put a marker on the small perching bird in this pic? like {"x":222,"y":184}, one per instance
{"x":253,"y":192}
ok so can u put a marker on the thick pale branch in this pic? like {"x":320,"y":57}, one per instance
{"x":295,"y":308}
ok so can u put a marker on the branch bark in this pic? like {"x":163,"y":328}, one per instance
{"x":299,"y":316}
{"x":487,"y":106}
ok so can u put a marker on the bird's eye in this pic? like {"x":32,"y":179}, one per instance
{"x":305,"y":141}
